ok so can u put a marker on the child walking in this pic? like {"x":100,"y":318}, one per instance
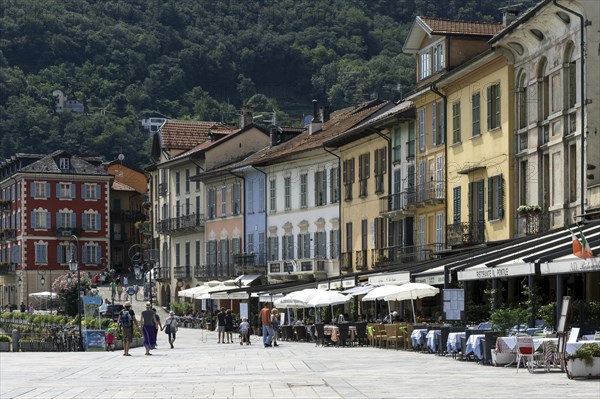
{"x":245,"y":332}
{"x":109,"y":339}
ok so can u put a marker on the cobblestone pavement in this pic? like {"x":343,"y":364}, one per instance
{"x":199,"y":367}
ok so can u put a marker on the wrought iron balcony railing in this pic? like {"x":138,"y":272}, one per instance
{"x":194,"y":221}
{"x":465,"y":233}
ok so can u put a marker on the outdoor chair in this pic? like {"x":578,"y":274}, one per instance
{"x":288,"y":333}
{"x":379,"y":335}
{"x":526,"y":353}
{"x":344,"y":329}
{"x":300,"y":332}
{"x":361,"y":333}
{"x":319,"y":334}
{"x":393,"y":335}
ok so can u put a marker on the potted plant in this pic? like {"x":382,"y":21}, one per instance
{"x":585,"y":362}
{"x":5,"y":343}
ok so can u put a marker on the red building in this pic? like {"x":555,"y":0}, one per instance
{"x":50,"y":205}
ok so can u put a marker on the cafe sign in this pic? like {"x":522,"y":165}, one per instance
{"x":484,"y":273}
{"x":390,"y":279}
{"x":570,"y":266}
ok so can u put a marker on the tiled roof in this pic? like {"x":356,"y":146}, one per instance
{"x":118,"y":186}
{"x":338,"y":124}
{"x":446,"y":26}
{"x":184,"y":135}
{"x":49,"y":164}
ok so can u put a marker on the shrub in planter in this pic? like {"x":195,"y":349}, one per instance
{"x":585,"y":362}
{"x":4,"y":343}
{"x":587,"y":353}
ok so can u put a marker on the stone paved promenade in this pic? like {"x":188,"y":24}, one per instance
{"x":198,"y":367}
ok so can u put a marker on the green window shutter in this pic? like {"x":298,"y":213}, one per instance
{"x":497,"y":110}
{"x":500,"y":188}
{"x":490,"y":198}
{"x":471,"y":210}
{"x":489,"y":108}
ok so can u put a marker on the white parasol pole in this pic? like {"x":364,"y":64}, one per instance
{"x":412,"y":302}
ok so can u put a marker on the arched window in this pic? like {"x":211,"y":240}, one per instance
{"x":522,"y":100}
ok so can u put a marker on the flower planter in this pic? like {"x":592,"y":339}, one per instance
{"x":579,"y":368}
{"x":4,"y":346}
{"x":502,"y":358}
{"x":36,"y":346}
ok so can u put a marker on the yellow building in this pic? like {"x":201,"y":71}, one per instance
{"x":440,"y":47}
{"x":480,"y":151}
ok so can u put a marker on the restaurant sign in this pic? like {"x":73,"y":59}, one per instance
{"x":436,"y":279}
{"x":390,"y":279}
{"x":348,"y":283}
{"x":570,"y":266}
{"x":484,"y":273}
{"x":323,"y":286}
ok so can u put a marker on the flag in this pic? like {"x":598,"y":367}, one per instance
{"x":581,"y":248}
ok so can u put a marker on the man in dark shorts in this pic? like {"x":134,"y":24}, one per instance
{"x":126,"y":322}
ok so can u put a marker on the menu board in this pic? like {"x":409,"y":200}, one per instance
{"x":454,"y":304}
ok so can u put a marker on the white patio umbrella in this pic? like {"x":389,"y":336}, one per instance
{"x":412,"y":291}
{"x":379,"y":293}
{"x":325,"y":298}
{"x":286,"y":303}
{"x":43,"y":295}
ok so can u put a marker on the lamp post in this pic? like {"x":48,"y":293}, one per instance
{"x":74,"y":266}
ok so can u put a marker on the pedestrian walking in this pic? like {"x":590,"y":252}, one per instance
{"x":156,"y":326}
{"x":149,"y":323}
{"x":275,"y":325}
{"x":171,"y":328}
{"x":229,"y":326}
{"x":265,"y":319}
{"x":126,"y":321}
{"x":221,"y":326}
{"x":109,"y":340}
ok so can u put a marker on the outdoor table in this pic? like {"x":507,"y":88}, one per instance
{"x":474,"y":345}
{"x":509,"y":344}
{"x":453,"y":345}
{"x":334,"y":332}
{"x":418,"y":337}
{"x":432,"y":340}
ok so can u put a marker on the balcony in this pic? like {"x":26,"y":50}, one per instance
{"x":126,"y":216}
{"x":298,"y":269}
{"x":533,"y":223}
{"x":432,"y":193}
{"x":464,"y":234}
{"x":398,"y":205}
{"x":182,"y":224}
{"x":8,"y":235}
{"x":398,"y":254}
{"x":5,"y":206}
{"x":66,"y":231}
{"x":7,"y":268}
{"x":346,"y":262}
{"x":162,"y":273}
{"x":249,"y":263}
{"x":361,"y":260}
{"x":182,"y":272}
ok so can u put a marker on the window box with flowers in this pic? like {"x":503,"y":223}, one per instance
{"x":529,"y":210}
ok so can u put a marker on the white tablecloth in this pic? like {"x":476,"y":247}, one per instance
{"x":418,"y":337}
{"x":474,"y":345}
{"x":453,"y":344}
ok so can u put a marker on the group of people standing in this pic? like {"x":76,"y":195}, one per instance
{"x":270,"y":320}
{"x":225,"y":326}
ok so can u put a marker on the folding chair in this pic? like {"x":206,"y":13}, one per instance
{"x":526,"y":353}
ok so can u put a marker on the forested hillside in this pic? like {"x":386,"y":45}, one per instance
{"x":196,"y":59}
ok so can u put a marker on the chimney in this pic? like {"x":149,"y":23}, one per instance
{"x":247,"y":116}
{"x":211,"y":136}
{"x":274,"y":136}
{"x":316,"y":123}
{"x":509,"y":15}
{"x":325,"y":113}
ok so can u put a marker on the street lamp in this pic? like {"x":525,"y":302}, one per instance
{"x":74,"y":266}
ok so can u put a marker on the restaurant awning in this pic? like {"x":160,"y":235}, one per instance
{"x":519,"y":257}
{"x":246,"y":280}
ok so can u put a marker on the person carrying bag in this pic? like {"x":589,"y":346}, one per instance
{"x":171,"y":327}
